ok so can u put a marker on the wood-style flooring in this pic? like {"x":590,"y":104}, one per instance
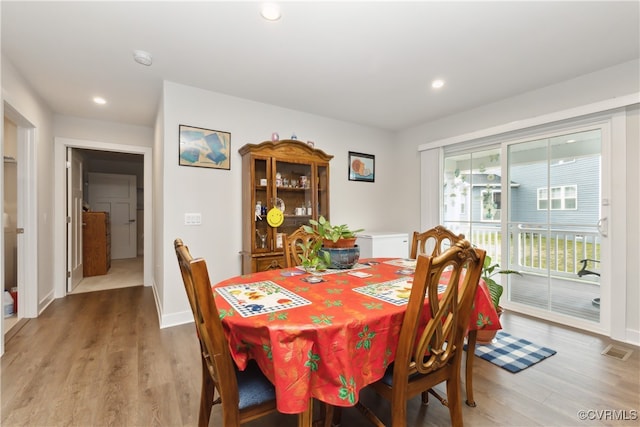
{"x":100,"y":359}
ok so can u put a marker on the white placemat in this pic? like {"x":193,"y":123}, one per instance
{"x":394,"y":292}
{"x":402,"y":262}
{"x":252,"y":299}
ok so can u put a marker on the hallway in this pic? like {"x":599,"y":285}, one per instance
{"x":122,"y":274}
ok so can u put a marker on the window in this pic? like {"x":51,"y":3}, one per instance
{"x":563,"y":197}
{"x":491,"y":203}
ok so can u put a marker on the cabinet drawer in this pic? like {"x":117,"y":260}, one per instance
{"x":269,"y":263}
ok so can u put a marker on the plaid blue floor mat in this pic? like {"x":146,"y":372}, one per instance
{"x":511,"y":353}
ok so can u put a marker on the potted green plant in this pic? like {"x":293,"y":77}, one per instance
{"x":495,"y":291}
{"x":312,"y":259}
{"x":333,"y":236}
{"x":336,"y":241}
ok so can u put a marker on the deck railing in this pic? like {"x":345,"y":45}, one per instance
{"x":536,"y":248}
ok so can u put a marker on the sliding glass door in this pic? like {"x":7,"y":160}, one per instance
{"x":534,"y":205}
{"x":554,"y":209}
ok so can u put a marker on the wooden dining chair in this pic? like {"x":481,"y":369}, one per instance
{"x":244,"y":395}
{"x":433,"y":241}
{"x":292,"y":250}
{"x":434,"y":356}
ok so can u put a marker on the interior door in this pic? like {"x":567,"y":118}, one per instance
{"x":116,"y":194}
{"x":74,"y":219}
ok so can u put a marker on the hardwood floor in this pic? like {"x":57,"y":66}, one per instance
{"x":98,"y":359}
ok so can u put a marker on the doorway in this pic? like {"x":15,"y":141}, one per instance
{"x":21,"y":221}
{"x":108,"y":184}
{"x":9,"y":220}
{"x":104,"y":157}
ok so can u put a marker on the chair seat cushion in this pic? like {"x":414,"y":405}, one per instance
{"x":253,"y":387}
{"x":388,"y":376}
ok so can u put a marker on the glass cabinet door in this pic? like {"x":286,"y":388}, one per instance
{"x":293,"y":195}
{"x":322,"y":197}
{"x":262,"y":237}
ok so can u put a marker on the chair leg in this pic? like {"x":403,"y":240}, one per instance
{"x":337,"y":416}
{"x":455,"y":404}
{"x":328,"y":414}
{"x":425,"y":397}
{"x":471,"y":355}
{"x":370,"y":415}
{"x":207,"y":393}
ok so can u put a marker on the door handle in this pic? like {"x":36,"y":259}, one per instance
{"x":19,"y":230}
{"x":603,"y":226}
{"x":132,"y":220}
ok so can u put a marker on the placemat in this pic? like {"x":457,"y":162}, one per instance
{"x":402,"y":262}
{"x":394,"y":292}
{"x":252,"y":299}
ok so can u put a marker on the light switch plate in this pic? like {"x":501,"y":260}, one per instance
{"x":192,"y":219}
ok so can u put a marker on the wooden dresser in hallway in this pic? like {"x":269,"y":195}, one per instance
{"x":96,"y":243}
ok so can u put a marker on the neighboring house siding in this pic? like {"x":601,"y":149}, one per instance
{"x":584,"y":173}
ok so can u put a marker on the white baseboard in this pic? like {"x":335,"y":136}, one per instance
{"x":173,"y":319}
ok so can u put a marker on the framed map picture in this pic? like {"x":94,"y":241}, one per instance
{"x":362,"y":167}
{"x":204,"y":148}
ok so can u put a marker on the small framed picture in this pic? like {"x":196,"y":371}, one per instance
{"x":362,"y":167}
{"x":204,"y":148}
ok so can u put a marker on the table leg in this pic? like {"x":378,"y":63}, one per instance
{"x":471,"y":351}
{"x":305,"y":419}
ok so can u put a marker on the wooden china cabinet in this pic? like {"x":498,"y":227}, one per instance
{"x":289,"y":175}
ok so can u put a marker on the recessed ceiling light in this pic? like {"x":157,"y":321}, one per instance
{"x":270,"y":11}
{"x":437,"y":84}
{"x":570,"y":141}
{"x":99,"y":100}
{"x":142,"y":57}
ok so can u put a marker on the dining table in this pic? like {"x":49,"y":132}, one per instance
{"x":327,"y":335}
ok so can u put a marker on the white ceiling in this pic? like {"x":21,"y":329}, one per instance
{"x":370,"y":63}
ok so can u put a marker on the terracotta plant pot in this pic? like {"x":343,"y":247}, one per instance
{"x":341,"y":243}
{"x":486,"y":337}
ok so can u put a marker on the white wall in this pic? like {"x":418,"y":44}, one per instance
{"x":633,"y":220}
{"x":158,"y":212}
{"x":600,"y":86}
{"x":216,"y":194}
{"x":17,"y":93}
{"x":102,"y":131}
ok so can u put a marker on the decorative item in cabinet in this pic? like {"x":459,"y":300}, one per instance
{"x":288,"y":175}
{"x":96,"y":243}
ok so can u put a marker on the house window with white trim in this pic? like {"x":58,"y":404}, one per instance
{"x":563,"y":197}
{"x":491,"y":205}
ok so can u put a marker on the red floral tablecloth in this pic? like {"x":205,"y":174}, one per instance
{"x":321,"y":340}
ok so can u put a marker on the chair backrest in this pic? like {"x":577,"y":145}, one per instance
{"x":291,"y":248}
{"x":441,"y":340}
{"x":213,"y":342}
{"x":433,"y":241}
